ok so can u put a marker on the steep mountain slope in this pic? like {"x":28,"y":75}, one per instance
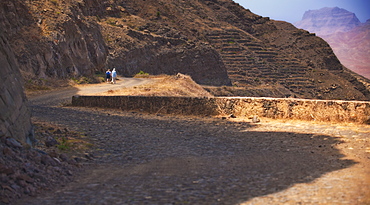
{"x":50,"y":40}
{"x":353,"y":48}
{"x":328,"y":20}
{"x":349,"y":38}
{"x":216,"y":42}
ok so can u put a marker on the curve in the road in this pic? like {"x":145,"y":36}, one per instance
{"x":64,"y":95}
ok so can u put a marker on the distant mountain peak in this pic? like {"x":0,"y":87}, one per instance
{"x":328,"y":20}
{"x":347,"y":36}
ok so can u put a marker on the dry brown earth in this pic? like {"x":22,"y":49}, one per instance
{"x":164,"y":85}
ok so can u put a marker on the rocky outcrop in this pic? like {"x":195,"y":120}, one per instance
{"x":27,"y":171}
{"x":164,"y":55}
{"x":15,"y":116}
{"x":328,"y":20}
{"x":50,"y":41}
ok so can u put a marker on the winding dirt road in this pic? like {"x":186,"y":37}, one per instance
{"x":57,"y":97}
{"x":163,"y":159}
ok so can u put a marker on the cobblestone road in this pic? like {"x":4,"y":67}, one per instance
{"x":163,"y":159}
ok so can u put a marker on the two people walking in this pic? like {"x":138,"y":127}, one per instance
{"x":111,"y":76}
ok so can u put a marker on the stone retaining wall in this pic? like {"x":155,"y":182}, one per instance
{"x":169,"y":105}
{"x":299,"y":109}
{"x":276,"y":108}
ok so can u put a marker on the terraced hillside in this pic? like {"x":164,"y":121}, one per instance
{"x":250,"y":62}
{"x":216,"y":42}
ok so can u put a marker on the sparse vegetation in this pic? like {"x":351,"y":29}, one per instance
{"x":100,"y":76}
{"x":67,"y":141}
{"x":85,"y":80}
{"x":32,"y":85}
{"x":111,"y":22}
{"x":64,"y":145}
{"x":75,"y":144}
{"x":141,"y":74}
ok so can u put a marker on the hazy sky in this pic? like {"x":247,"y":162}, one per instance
{"x":293,"y":10}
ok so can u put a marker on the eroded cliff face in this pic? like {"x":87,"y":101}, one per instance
{"x":64,"y":39}
{"x":52,"y":41}
{"x":164,"y":55}
{"x":15,"y":116}
{"x":140,"y":38}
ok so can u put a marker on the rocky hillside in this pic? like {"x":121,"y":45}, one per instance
{"x":349,"y":38}
{"x":216,"y":42}
{"x":50,"y":40}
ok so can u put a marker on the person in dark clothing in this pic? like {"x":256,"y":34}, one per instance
{"x":108,"y":75}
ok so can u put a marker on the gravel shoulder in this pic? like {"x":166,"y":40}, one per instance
{"x":141,"y":158}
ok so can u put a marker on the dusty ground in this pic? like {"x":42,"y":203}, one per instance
{"x":140,"y":158}
{"x":164,"y":85}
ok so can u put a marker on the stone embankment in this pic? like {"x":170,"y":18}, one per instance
{"x":275,"y":108}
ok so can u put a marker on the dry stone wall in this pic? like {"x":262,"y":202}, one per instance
{"x":276,"y":108}
{"x":172,"y":105}
{"x":299,"y":109}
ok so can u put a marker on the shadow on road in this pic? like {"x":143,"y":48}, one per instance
{"x":151,"y":159}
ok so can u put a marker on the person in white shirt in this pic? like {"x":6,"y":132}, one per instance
{"x":114,"y":76}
